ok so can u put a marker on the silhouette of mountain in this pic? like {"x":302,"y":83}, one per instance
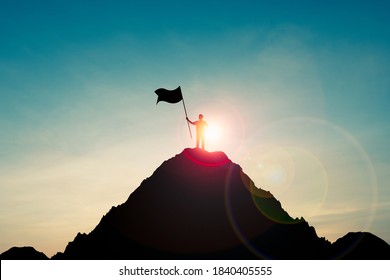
{"x":23,"y":253}
{"x":361,"y":245}
{"x":200,"y":205}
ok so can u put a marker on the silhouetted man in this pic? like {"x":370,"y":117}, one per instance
{"x":201,"y":126}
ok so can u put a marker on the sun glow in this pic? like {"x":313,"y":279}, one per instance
{"x":213,"y":133}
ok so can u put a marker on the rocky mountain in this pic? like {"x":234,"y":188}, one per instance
{"x":23,"y":253}
{"x":201,"y":205}
{"x":361,"y":246}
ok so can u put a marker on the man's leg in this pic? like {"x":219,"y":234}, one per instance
{"x":197,"y":141}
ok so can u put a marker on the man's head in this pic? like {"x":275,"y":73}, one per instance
{"x":200,"y":116}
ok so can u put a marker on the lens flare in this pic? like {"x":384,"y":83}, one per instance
{"x":226,"y":127}
{"x":213,"y":133}
{"x":319,"y":171}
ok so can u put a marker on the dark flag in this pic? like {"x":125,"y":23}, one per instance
{"x":170,"y":96}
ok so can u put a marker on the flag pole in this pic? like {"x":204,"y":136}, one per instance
{"x":185,"y":111}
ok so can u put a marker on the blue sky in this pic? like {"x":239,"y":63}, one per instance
{"x":297,"y":90}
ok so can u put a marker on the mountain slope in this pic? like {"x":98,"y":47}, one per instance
{"x":199,"y":205}
{"x":361,"y":245}
{"x":23,"y":253}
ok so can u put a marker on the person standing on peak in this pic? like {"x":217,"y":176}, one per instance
{"x":201,"y":127}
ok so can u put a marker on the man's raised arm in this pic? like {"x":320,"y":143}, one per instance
{"x":190,"y":121}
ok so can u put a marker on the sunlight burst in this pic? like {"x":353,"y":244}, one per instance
{"x":213,"y":133}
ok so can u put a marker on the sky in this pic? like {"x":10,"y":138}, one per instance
{"x":295,"y":92}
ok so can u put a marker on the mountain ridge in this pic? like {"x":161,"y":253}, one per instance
{"x":201,"y":205}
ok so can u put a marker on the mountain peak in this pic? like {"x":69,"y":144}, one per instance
{"x":206,"y":158}
{"x":23,"y":253}
{"x":201,"y":205}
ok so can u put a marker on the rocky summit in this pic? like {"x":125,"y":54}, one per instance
{"x":201,"y":205}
